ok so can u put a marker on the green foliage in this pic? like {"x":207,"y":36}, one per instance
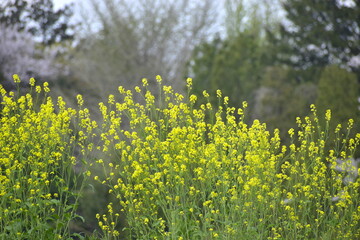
{"x":338,"y":91}
{"x":281,"y":98}
{"x":202,"y":64}
{"x":319,"y":33}
{"x":285,"y":94}
{"x":255,"y":16}
{"x":233,"y":65}
{"x":238,"y":68}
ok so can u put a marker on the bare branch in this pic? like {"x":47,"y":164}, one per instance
{"x":143,"y":38}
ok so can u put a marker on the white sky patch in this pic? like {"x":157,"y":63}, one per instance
{"x":61,"y":3}
{"x":355,"y":61}
{"x":347,"y":3}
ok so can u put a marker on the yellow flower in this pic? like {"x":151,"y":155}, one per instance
{"x":328,"y":115}
{"x":16,"y":78}
{"x":111,"y":99}
{"x":46,"y":87}
{"x":158,"y":78}
{"x":137,"y":89}
{"x":189,"y":82}
{"x":38,"y":89}
{"x":145,"y":82}
{"x":244,"y":104}
{"x":32,"y":82}
{"x":205,"y":94}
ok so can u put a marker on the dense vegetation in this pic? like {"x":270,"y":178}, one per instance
{"x":172,"y":170}
{"x":274,"y":168}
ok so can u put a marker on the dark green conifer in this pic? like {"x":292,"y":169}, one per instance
{"x":319,"y":33}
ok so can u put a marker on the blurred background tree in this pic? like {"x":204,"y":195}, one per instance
{"x":33,"y":39}
{"x":276,"y":63}
{"x":235,"y":61}
{"x":338,"y":91}
{"x":320,"y":33}
{"x":20,"y":54}
{"x":39,"y":18}
{"x":141,"y":39}
{"x":281,"y":98}
{"x":320,"y":42}
{"x":259,"y":51}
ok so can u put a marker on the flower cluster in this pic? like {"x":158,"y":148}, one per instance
{"x":37,"y":160}
{"x":174,"y":168}
{"x":181,"y":172}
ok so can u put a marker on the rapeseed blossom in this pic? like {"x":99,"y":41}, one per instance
{"x":173,"y":169}
{"x":183,"y":172}
{"x":36,"y":158}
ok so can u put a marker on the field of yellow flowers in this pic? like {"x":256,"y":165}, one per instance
{"x":175,"y":169}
